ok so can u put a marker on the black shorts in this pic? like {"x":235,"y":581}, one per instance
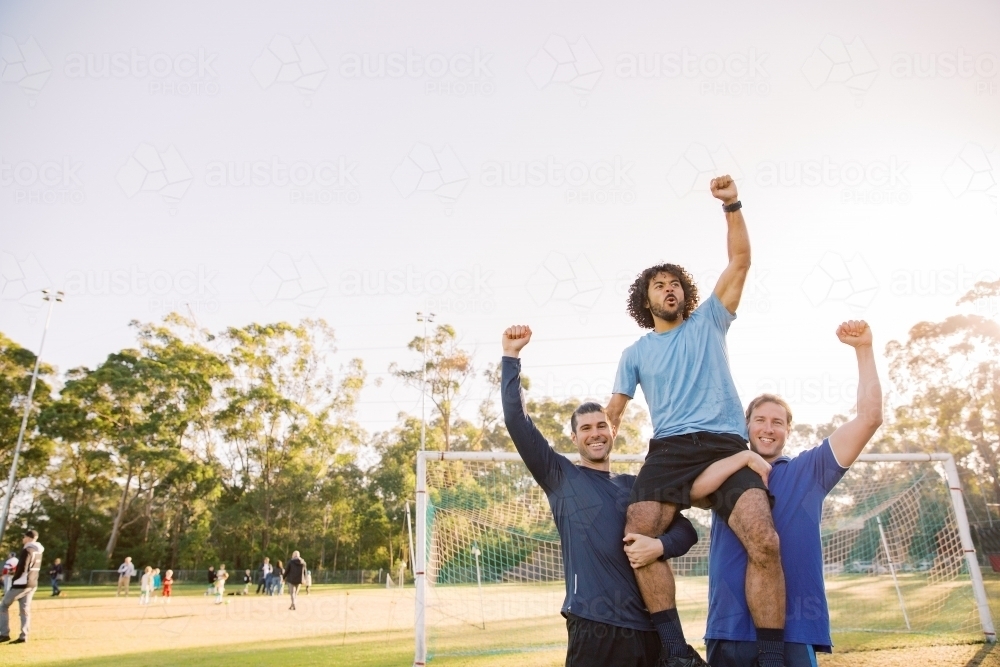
{"x":673,"y":463}
{"x":595,"y":644}
{"x":725,"y":653}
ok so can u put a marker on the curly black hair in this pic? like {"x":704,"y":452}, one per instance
{"x":638,"y":293}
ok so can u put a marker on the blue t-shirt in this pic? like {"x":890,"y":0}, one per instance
{"x":800,"y":486}
{"x":684,"y":374}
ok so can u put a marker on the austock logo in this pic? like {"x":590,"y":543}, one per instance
{"x":150,"y":171}
{"x":323,"y":182}
{"x":560,"y":279}
{"x":286,"y":279}
{"x":456,"y":74}
{"x":975,"y":170}
{"x":699,"y":165}
{"x":55,"y":181}
{"x":559,"y":62}
{"x":835,"y":279}
{"x":835,"y":62}
{"x":734,"y":74}
{"x":599,"y":181}
{"x":22,"y":281}
{"x":870,"y":182}
{"x":23,"y":64}
{"x":283,"y":61}
{"x":436,"y":172}
{"x":183,"y":74}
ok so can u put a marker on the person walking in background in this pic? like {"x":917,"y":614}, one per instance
{"x":277,"y":581}
{"x":22,"y":587}
{"x":146,"y":585}
{"x":247,"y":580}
{"x":294,"y":575}
{"x":125,"y":573}
{"x":55,"y":576}
{"x":156,"y":579}
{"x":265,"y":573}
{"x":220,"y":583}
{"x":211,"y":580}
{"x":308,"y":580}
{"x":168,"y":584}
{"x":8,"y":570}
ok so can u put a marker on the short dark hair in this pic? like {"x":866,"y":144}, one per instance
{"x":584,"y":409}
{"x":33,"y":534}
{"x":638,"y":293}
{"x":769,"y":398}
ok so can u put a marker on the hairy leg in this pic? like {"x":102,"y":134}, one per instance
{"x":656,"y":580}
{"x":765,"y":584}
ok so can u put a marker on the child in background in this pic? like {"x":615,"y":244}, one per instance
{"x":220,"y":583}
{"x":168,"y":584}
{"x":8,"y":571}
{"x":156,"y":579}
{"x":146,"y":585}
{"x":308,"y":581}
{"x":247,"y":580}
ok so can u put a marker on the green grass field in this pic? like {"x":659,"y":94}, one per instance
{"x":371,"y":626}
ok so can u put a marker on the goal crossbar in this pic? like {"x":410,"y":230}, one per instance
{"x":420,"y":566}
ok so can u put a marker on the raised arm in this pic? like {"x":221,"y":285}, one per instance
{"x":729,"y":289}
{"x":543,"y":463}
{"x":709,"y":481}
{"x":850,"y":439}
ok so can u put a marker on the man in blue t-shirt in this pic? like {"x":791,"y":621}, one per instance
{"x":799,"y":486}
{"x":606,"y":620}
{"x":683,"y":369}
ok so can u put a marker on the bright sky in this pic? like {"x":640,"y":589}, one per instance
{"x":497,"y":164}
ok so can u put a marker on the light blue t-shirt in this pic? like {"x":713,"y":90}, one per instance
{"x":684,"y":374}
{"x":799,"y":486}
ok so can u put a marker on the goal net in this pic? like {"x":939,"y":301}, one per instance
{"x":896,"y":550}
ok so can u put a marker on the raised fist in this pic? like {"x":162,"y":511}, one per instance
{"x":515,"y":338}
{"x":724,"y":188}
{"x":855,"y":333}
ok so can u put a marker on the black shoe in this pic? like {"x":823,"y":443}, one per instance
{"x":4,"y":638}
{"x":20,"y":640}
{"x":692,"y":659}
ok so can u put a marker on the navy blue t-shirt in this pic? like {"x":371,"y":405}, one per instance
{"x":589,"y":510}
{"x":799,"y":486}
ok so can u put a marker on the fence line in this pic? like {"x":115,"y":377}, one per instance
{"x":200,"y":576}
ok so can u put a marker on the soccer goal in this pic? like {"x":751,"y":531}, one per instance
{"x":898,"y":554}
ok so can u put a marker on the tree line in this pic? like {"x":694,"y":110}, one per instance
{"x":195,"y":447}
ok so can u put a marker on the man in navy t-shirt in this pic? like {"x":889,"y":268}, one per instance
{"x":799,"y":486}
{"x":606,"y":619}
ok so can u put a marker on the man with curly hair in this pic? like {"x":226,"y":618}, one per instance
{"x":682,"y":366}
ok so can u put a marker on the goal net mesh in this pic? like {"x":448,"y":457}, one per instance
{"x":892,"y":557}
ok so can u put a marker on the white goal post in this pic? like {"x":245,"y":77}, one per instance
{"x":421,"y":542}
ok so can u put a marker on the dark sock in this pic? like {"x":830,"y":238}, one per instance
{"x":668,"y":626}
{"x":770,"y":647}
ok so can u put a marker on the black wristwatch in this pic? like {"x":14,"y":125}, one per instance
{"x":735,"y":206}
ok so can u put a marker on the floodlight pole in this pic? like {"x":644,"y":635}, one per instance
{"x":52,"y":298}
{"x":420,"y":561}
{"x":420,"y":567}
{"x":425,"y":318}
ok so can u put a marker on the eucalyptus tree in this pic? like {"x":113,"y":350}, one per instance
{"x":287,"y":416}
